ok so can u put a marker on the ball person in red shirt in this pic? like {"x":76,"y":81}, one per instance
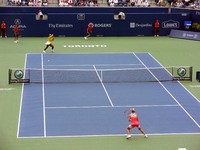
{"x":133,"y":118}
{"x":16,"y":33}
{"x":89,"y":30}
{"x":3,"y":29}
{"x":156,"y":28}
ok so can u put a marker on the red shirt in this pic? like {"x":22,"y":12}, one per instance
{"x":133,"y":118}
{"x":16,"y":30}
{"x":3,"y":26}
{"x":157,"y":24}
{"x":89,"y":28}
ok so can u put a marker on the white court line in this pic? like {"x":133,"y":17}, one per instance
{"x":103,"y":87}
{"x":126,"y":106}
{"x":43,"y":96}
{"x":21,"y":101}
{"x":110,"y":135}
{"x":169,"y":92}
{"x":77,"y":53}
{"x":7,"y":89}
{"x":88,"y":65}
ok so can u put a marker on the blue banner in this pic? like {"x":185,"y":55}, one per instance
{"x":68,"y":24}
{"x":185,"y":35}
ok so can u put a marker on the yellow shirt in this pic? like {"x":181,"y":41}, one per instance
{"x":50,"y":38}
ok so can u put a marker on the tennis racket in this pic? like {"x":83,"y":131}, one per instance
{"x":126,"y":113}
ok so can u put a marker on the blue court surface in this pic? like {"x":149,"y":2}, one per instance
{"x":74,"y":109}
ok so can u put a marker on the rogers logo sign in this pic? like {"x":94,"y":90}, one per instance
{"x":102,"y":25}
{"x":170,"y":24}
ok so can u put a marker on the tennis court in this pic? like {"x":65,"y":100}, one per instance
{"x":91,"y":104}
{"x":168,"y":51}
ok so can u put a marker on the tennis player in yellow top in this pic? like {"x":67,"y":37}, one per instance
{"x":49,"y":43}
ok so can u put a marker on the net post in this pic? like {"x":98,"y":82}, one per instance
{"x":191,"y":73}
{"x":9,"y":75}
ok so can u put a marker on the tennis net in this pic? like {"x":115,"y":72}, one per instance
{"x":156,"y":74}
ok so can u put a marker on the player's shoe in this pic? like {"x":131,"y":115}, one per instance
{"x":128,"y":136}
{"x":146,"y":136}
{"x":85,"y":38}
{"x":44,"y":51}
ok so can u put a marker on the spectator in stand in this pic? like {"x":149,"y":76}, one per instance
{"x":3,"y":29}
{"x":179,"y":3}
{"x":44,"y":3}
{"x":30,"y":3}
{"x":116,"y":2}
{"x":137,"y":3}
{"x":91,"y":3}
{"x":35,"y":3}
{"x":13,"y":2}
{"x":108,"y":2}
{"x":112,"y":4}
{"x":70,"y":3}
{"x":18,"y":3}
{"x":132,"y":2}
{"x":87,"y":3}
{"x":186,"y":3}
{"x":162,"y":3}
{"x":81,"y":3}
{"x":95,"y":2}
{"x":64,"y":3}
{"x":145,"y":3}
{"x":75,"y":2}
{"x":61,"y":3}
{"x":10,"y":3}
{"x":24,"y":3}
{"x":196,"y":4}
{"x":39,"y":3}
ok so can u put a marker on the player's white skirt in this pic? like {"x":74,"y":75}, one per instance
{"x":47,"y":43}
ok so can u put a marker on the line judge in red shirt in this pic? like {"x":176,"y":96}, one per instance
{"x":156,"y":28}
{"x":133,"y":118}
{"x":3,"y":29}
{"x":89,"y":30}
{"x":16,"y":33}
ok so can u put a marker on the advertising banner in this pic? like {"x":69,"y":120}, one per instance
{"x":185,"y":34}
{"x":105,"y":24}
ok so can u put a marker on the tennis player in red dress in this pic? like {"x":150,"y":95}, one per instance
{"x":89,"y":30}
{"x":133,"y":118}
